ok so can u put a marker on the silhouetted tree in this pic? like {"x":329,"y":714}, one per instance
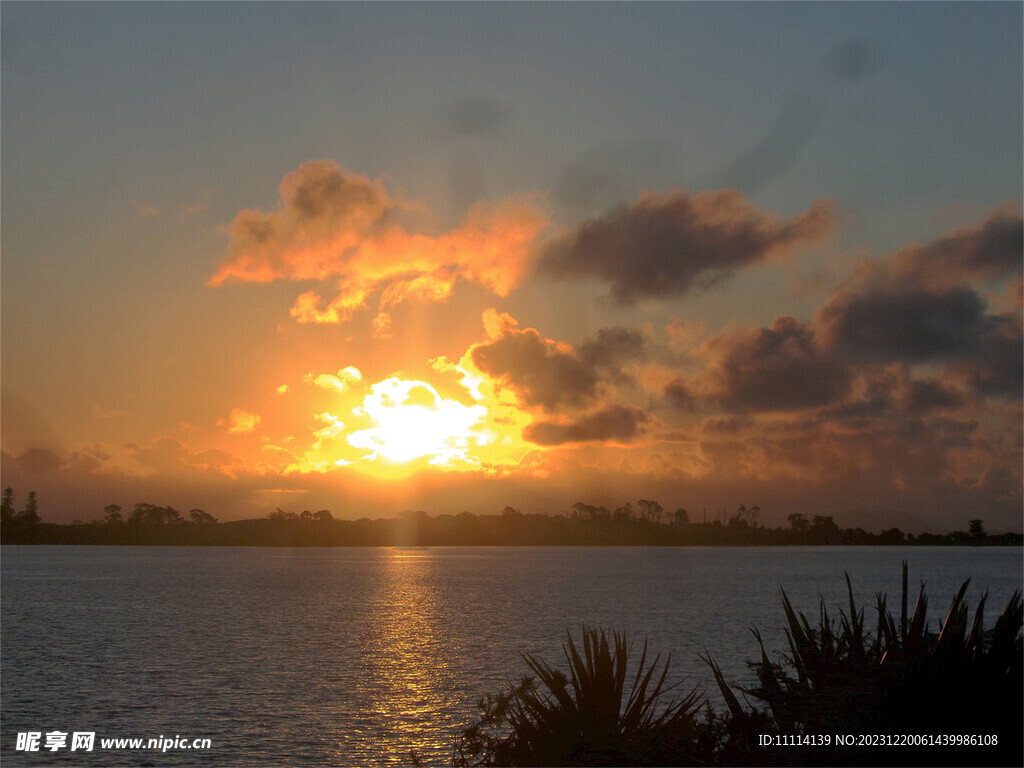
{"x":199,"y":517}
{"x":582,"y":511}
{"x":323,"y":515}
{"x":30,"y":514}
{"x":740,"y":518}
{"x":7,"y":506}
{"x":152,"y":515}
{"x":112,"y":515}
{"x":650,"y":510}
{"x":976,"y":530}
{"x":891,"y":536}
{"x":799,"y":523}
{"x":681,"y":518}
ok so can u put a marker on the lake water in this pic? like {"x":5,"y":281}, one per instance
{"x":356,"y":656}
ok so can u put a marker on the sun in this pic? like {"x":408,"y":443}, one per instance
{"x":399,"y":427}
{"x":411,"y":421}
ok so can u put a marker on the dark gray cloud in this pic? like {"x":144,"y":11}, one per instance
{"x":610,"y":349}
{"x":618,"y":423}
{"x":668,"y":244}
{"x":995,"y":368}
{"x":898,"y":398}
{"x":925,"y":396}
{"x":780,"y":368}
{"x":993,"y":249}
{"x":551,"y":375}
{"x":540,"y":371}
{"x":859,"y":413}
{"x":911,"y":325}
{"x":917,"y":306}
{"x":34,"y":461}
{"x":729,"y":425}
{"x":678,"y":393}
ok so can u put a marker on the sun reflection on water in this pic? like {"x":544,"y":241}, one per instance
{"x":412,"y":685}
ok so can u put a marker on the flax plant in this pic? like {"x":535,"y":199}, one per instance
{"x":598,"y":714}
{"x":840,"y":678}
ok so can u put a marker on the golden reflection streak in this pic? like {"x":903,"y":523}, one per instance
{"x":409,"y":653}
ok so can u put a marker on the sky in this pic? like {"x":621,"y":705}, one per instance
{"x":457,"y":257}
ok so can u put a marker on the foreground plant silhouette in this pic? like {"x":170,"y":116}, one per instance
{"x":838,"y":679}
{"x":902,"y":679}
{"x":588,"y":717}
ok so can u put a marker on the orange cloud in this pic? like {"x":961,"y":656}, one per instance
{"x":240,"y":422}
{"x":341,"y":382}
{"x":336,"y":225}
{"x":382,"y":326}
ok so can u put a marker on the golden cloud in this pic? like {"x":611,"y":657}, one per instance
{"x":334,"y":225}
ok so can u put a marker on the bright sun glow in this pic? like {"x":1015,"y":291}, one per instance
{"x":411,"y":420}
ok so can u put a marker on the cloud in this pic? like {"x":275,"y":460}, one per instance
{"x":382,"y":326}
{"x":240,"y":422}
{"x":996,"y":366}
{"x":617,"y":423}
{"x":552,"y":374}
{"x":918,"y":306}
{"x":334,"y":225}
{"x":610,"y":348}
{"x":727,"y":426}
{"x":680,"y":394}
{"x":780,"y":368}
{"x":541,"y":371}
{"x":924,"y":396}
{"x":911,"y":324}
{"x":891,"y":392}
{"x":987,"y":251}
{"x":36,"y":461}
{"x":668,"y":244}
{"x":341,"y":381}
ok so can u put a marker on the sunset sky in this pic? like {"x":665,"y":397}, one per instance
{"x":375,"y":257}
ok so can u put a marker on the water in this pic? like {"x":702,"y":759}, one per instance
{"x":356,"y":656}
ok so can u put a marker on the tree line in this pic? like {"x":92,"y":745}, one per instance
{"x":643,"y":523}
